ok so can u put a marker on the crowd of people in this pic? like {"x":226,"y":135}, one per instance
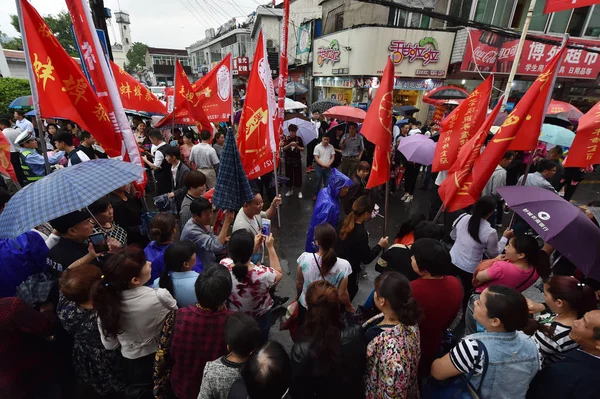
{"x":180,"y":303}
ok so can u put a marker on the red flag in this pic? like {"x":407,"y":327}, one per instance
{"x":134,"y":95}
{"x":5,"y":165}
{"x":461,"y":125}
{"x":214,"y":91}
{"x":453,"y":190}
{"x":560,"y":5}
{"x":377,"y":126}
{"x":256,"y":133}
{"x":187,"y":100}
{"x":283,"y":68}
{"x":584,"y":151}
{"x":514,"y":126}
{"x":60,"y":84}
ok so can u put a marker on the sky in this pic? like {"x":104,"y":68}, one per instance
{"x":157,"y":23}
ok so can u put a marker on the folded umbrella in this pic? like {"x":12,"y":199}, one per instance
{"x":346,"y":113}
{"x":64,"y":191}
{"x":559,"y":223}
{"x":232,"y":189}
{"x":307,"y":131}
{"x":556,"y":135}
{"x":417,"y":148}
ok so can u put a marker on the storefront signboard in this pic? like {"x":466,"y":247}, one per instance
{"x":493,"y":53}
{"x":241,"y":66}
{"x":366,"y":83}
{"x":363,"y":52}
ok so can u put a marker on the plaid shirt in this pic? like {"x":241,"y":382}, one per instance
{"x":191,"y":337}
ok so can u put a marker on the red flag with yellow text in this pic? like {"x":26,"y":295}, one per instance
{"x":462,"y":123}
{"x":214,"y":91}
{"x":516,"y":126}
{"x":256,"y":133}
{"x":61,"y":86}
{"x":377,"y":127}
{"x":459,"y":174}
{"x":134,"y":95}
{"x":187,"y":100}
{"x":585,"y":149}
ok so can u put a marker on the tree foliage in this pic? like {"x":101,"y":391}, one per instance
{"x":13,"y":44}
{"x":136,"y":57}
{"x":11,"y":88}
{"x":60,"y":25}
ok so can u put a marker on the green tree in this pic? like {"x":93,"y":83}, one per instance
{"x":60,"y":25}
{"x":136,"y":57}
{"x":11,"y":88}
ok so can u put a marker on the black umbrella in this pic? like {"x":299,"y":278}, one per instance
{"x":323,"y":105}
{"x":405,"y":110}
{"x":558,"y":120}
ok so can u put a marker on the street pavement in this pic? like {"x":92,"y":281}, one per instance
{"x":295,"y":218}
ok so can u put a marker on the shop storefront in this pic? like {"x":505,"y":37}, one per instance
{"x":347,"y":65}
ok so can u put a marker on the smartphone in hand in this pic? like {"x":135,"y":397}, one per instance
{"x":99,"y":242}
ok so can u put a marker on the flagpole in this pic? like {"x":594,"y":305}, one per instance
{"x":231,"y":90}
{"x":33,"y":84}
{"x":438,"y":214}
{"x":515,"y":65}
{"x":174,"y":95}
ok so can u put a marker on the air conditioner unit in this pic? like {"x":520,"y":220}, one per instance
{"x":270,"y":43}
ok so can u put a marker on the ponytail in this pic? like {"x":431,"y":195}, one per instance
{"x":240,"y":249}
{"x":537,"y":258}
{"x":106,"y":292}
{"x":326,"y":236}
{"x":396,"y":289}
{"x":483,"y":207}
{"x":175,"y":256}
{"x":361,"y":206}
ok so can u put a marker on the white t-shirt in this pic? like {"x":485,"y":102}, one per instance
{"x":325,"y":154}
{"x":414,"y":131}
{"x":159,"y":157}
{"x":310,"y":271}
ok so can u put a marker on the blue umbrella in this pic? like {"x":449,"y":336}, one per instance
{"x":232,"y":190}
{"x":64,"y":191}
{"x":556,"y":135}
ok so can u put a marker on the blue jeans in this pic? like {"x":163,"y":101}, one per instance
{"x":322,"y":177}
{"x":264,"y":324}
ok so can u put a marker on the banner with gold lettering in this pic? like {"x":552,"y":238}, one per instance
{"x":62,"y":88}
{"x":452,"y":191}
{"x":515,"y":127}
{"x":462,"y":123}
{"x":134,"y":95}
{"x":585,"y":150}
{"x":256,"y":132}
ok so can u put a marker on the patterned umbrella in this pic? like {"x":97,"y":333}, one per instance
{"x":64,"y":191}
{"x":232,"y":189}
{"x":323,"y":105}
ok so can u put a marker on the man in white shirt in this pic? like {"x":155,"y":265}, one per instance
{"x":23,"y":124}
{"x":206,"y":159}
{"x":324,"y":156}
{"x":161,"y":168}
{"x":415,"y":126}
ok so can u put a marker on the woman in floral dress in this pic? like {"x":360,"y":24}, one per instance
{"x":94,"y":365}
{"x":393,"y":352}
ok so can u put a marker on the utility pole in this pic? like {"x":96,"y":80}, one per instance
{"x":99,"y":15}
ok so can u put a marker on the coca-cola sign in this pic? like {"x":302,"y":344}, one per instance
{"x":489,"y":52}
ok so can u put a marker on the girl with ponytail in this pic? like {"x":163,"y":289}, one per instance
{"x":178,"y":277}
{"x":323,"y":265}
{"x":328,"y":362}
{"x":131,"y":315}
{"x":393,"y":340}
{"x":353,"y":244}
{"x":566,"y":301}
{"x":252,"y":283}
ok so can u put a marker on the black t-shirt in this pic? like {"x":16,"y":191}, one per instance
{"x":65,"y":252}
{"x":89,"y":151}
{"x":398,"y":260}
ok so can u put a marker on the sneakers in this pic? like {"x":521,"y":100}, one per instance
{"x":408,"y":199}
{"x":405,"y":196}
{"x":289,"y":193}
{"x":300,"y":195}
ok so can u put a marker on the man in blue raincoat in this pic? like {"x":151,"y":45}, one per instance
{"x":327,"y":208}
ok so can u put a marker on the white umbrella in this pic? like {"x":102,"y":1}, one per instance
{"x":291,"y":104}
{"x":306,"y":130}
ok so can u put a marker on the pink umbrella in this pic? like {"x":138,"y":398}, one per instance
{"x":567,"y":110}
{"x":346,"y":113}
{"x":417,"y":148}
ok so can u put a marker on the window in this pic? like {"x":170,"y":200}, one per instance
{"x":397,"y":17}
{"x":559,"y":21}
{"x":578,"y":21}
{"x":339,"y":21}
{"x":538,"y":21}
{"x":461,"y":9}
{"x":494,"y":12}
{"x":593,"y":27}
{"x":126,"y":41}
{"x":124,"y":27}
{"x":419,"y":20}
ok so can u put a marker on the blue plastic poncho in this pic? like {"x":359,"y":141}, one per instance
{"x":20,"y":258}
{"x":327,"y":208}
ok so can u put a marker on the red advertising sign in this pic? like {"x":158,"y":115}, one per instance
{"x":493,"y":53}
{"x":241,"y":66}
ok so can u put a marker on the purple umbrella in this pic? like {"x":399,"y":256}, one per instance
{"x":559,"y":223}
{"x":417,"y":148}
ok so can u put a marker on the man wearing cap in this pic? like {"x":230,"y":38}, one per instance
{"x":32,"y":163}
{"x":73,"y":248}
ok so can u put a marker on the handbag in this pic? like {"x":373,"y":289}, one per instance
{"x":459,"y":387}
{"x":289,"y":321}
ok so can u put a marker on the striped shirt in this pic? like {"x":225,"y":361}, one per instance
{"x":116,"y":232}
{"x":555,"y":347}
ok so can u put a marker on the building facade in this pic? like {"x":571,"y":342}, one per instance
{"x":120,"y":49}
{"x":160,"y":65}
{"x":268,"y":20}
